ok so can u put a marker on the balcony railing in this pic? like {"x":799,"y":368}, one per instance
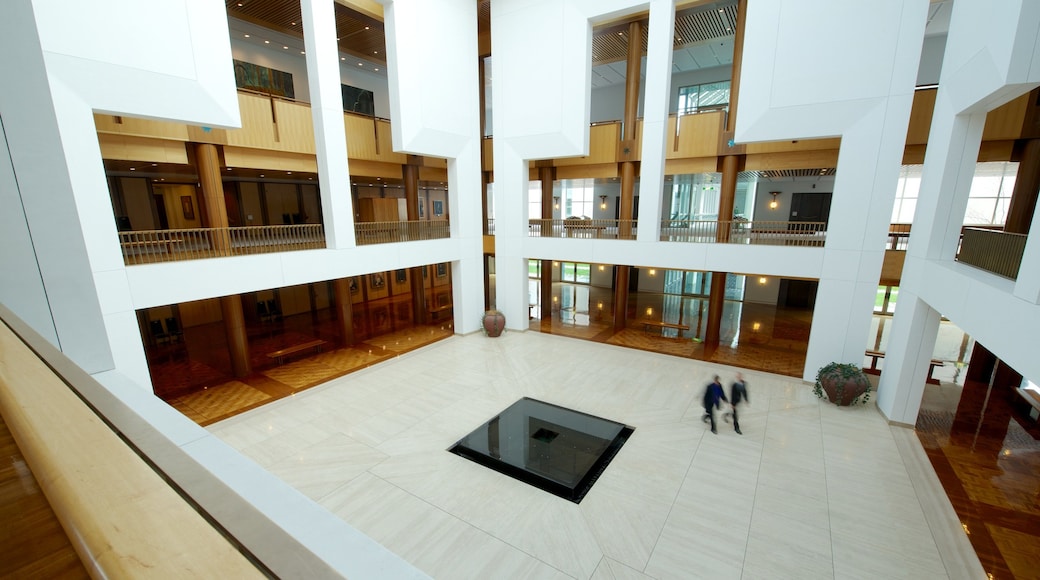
{"x":582,"y":228}
{"x":994,"y":251}
{"x":151,"y":246}
{"x":367,"y":233}
{"x":768,"y":233}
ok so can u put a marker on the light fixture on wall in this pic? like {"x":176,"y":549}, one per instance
{"x":603,"y":202}
{"x":556,"y":201}
{"x":773,"y":204}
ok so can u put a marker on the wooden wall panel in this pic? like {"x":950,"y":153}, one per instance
{"x":267,"y":159}
{"x":792,"y":160}
{"x":690,"y":165}
{"x":431,"y":174}
{"x":587,"y":171}
{"x":489,"y":154}
{"x":436,"y":162}
{"x":257,"y":123}
{"x":603,"y":140}
{"x":129,"y":148}
{"x":364,"y":168}
{"x":791,"y":146}
{"x":892,"y":267}
{"x":361,"y":137}
{"x":385,"y":144}
{"x":996,"y":150}
{"x":1005,"y":122}
{"x":921,"y":117}
{"x":141,"y":127}
{"x":698,"y":136}
{"x":295,"y":127}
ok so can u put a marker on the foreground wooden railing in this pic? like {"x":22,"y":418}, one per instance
{"x":148,"y":247}
{"x":994,"y":251}
{"x":122,"y":518}
{"x":582,"y":228}
{"x":770,"y":233}
{"x":367,"y":233}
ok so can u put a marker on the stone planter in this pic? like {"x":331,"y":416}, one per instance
{"x":493,"y":322}
{"x":844,"y":384}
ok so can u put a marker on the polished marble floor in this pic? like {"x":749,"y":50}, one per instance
{"x":808,"y":491}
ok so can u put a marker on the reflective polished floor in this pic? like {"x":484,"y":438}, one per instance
{"x":986,"y":451}
{"x":809,"y":490}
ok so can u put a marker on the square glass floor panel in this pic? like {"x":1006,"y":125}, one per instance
{"x":550,"y":447}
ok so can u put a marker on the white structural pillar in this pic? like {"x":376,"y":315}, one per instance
{"x":657,"y":95}
{"x":554,"y":125}
{"x":991,"y":57}
{"x":442,"y":123}
{"x":806,"y":74}
{"x":330,"y":139}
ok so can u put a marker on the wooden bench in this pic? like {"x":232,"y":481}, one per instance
{"x":876,"y":355}
{"x":281,"y":354}
{"x":437,"y":310}
{"x":648,"y":324}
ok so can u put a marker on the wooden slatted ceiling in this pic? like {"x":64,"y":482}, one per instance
{"x":364,"y":37}
{"x":787,"y":174}
{"x":358,"y":34}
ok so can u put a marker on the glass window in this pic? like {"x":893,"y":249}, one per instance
{"x":577,"y":273}
{"x":707,"y":96}
{"x":991,"y":190}
{"x":577,"y":197}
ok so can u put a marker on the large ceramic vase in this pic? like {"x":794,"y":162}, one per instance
{"x":843,"y":388}
{"x":494,"y":322}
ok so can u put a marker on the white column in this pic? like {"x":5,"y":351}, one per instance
{"x":656,"y":96}
{"x":330,"y":139}
{"x":1027,"y":285}
{"x":907,"y":358}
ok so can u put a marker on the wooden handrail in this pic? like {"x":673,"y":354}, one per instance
{"x":122,"y":518}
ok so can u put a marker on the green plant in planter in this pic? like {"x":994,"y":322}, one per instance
{"x":844,"y":384}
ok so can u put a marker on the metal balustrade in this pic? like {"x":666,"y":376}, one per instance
{"x":367,"y":233}
{"x":994,"y":251}
{"x":152,"y":246}
{"x":758,"y":233}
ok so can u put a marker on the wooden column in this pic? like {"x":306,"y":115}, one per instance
{"x":235,"y":329}
{"x":628,"y":167}
{"x":546,"y":174}
{"x":344,"y":310}
{"x":214,"y":210}
{"x":716,"y":300}
{"x":1027,"y":184}
{"x":410,"y":173}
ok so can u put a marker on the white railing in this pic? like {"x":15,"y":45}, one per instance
{"x":151,"y":246}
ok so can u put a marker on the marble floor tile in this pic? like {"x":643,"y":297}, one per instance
{"x":808,"y":491}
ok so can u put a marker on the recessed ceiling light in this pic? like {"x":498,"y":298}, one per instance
{"x":375,"y":52}
{"x":293,"y":24}
{"x":133,"y":169}
{"x":288,"y":172}
{"x":359,"y":64}
{"x":343,"y":58}
{"x":239,"y":4}
{"x":267,"y":42}
{"x":261,"y":175}
{"x":286,"y":47}
{"x":366,"y":28}
{"x":155,"y":164}
{"x":303,"y":52}
{"x":377,"y":70}
{"x":247,"y":36}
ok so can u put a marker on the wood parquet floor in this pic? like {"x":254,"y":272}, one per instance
{"x":986,"y":452}
{"x":32,"y":541}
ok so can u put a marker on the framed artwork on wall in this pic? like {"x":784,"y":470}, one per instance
{"x":377,"y":280}
{"x":187,"y":207}
{"x":401,"y":276}
{"x":438,"y":208}
{"x":442,"y":270}
{"x":353,"y":285}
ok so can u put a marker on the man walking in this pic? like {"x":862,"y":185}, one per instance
{"x":737,"y":394}
{"x":712,"y":396}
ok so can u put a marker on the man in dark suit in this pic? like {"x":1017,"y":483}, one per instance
{"x":737,"y":393}
{"x":712,"y":396}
